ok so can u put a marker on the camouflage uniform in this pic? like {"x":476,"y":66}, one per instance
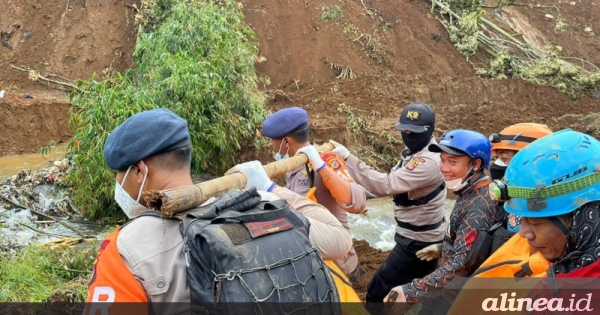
{"x":474,"y":210}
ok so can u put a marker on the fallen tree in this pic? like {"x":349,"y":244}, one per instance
{"x":470,"y":32}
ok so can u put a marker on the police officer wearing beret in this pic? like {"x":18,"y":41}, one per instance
{"x":288,"y":131}
{"x":143,"y":261}
{"x":419,"y":196}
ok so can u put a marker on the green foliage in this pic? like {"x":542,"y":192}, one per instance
{"x":463,"y":33}
{"x":380,"y":151}
{"x":47,"y":148}
{"x":509,"y":56}
{"x":193,"y":57}
{"x":36,"y":273}
{"x":330,"y":12}
{"x":561,"y":26}
{"x":497,"y":67}
{"x":356,"y":122}
{"x":548,"y":70}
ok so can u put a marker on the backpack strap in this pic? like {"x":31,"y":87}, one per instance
{"x":525,"y":271}
{"x":311,"y":175}
{"x":274,"y":210}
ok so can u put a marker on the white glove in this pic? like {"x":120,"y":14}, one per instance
{"x":316,"y":162}
{"x":340,"y":150}
{"x":430,"y":252}
{"x":256,"y":176}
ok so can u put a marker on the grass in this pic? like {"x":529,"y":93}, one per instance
{"x":330,"y":12}
{"x":38,"y":273}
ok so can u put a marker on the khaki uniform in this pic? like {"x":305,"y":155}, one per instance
{"x":417,"y":174}
{"x":418,"y":225}
{"x":298,"y":181}
{"x":152,"y":250}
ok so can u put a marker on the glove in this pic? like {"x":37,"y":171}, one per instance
{"x":340,"y":150}
{"x":395,"y":301}
{"x":430,"y":252}
{"x":255,"y":175}
{"x":316,"y":162}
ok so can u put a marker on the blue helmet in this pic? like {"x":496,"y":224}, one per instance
{"x":553,"y":176}
{"x":465,"y":142}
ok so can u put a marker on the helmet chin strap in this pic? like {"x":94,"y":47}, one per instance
{"x":559,"y":225}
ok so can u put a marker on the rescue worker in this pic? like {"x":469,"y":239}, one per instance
{"x":465,"y":155}
{"x":505,"y":145}
{"x":143,"y":261}
{"x":288,"y":132}
{"x":553,"y":184}
{"x":419,"y":195}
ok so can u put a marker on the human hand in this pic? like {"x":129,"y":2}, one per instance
{"x":395,"y":301}
{"x":430,"y":252}
{"x":316,"y":162}
{"x":256,"y":176}
{"x":340,"y":150}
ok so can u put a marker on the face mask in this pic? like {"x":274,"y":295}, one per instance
{"x":458,"y":183}
{"x":132,"y":208}
{"x":278,"y":156}
{"x":415,"y":142}
{"x":497,"y":170}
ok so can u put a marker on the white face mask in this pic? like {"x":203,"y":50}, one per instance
{"x":278,"y":156}
{"x":132,"y":208}
{"x":458,"y":183}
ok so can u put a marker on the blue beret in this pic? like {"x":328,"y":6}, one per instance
{"x":284,"y":122}
{"x":143,"y":135}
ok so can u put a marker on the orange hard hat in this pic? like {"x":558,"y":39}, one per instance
{"x":517,"y":136}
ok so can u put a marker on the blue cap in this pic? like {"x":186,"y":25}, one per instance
{"x":143,"y":135}
{"x":284,"y":122}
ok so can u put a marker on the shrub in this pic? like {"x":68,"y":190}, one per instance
{"x":197,"y":61}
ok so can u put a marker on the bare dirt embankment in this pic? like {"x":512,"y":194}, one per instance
{"x":58,"y":43}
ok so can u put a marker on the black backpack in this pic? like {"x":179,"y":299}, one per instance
{"x":240,"y":249}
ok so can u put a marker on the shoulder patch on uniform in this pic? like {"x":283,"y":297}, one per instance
{"x":414,"y":163}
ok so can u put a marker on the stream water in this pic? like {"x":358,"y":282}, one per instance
{"x":12,"y":164}
{"x":376,"y":226}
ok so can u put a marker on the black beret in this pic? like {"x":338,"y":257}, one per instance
{"x":143,"y":135}
{"x":284,"y":122}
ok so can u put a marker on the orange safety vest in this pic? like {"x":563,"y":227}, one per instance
{"x":510,"y":263}
{"x":351,"y":304}
{"x":112,"y":283}
{"x":337,"y":164}
{"x":513,"y":259}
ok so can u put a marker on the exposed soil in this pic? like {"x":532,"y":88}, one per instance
{"x":73,"y":43}
{"x":370,"y":259}
{"x":88,"y":37}
{"x":28,"y":124}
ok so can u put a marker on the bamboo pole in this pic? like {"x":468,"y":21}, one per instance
{"x":172,"y":201}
